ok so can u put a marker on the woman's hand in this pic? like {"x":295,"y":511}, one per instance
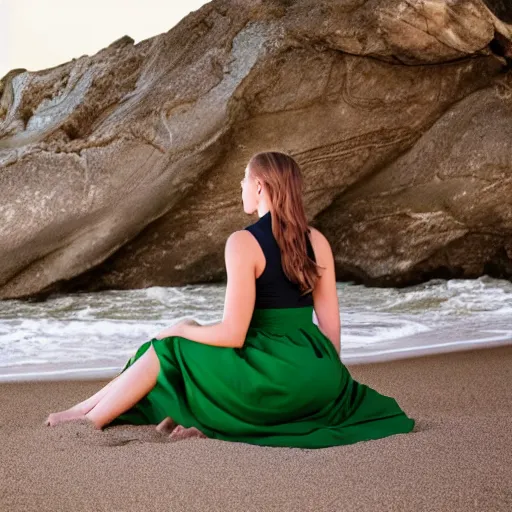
{"x":176,"y":329}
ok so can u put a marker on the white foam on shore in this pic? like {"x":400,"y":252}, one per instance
{"x":71,"y":374}
{"x":91,"y":335}
{"x":500,"y":337}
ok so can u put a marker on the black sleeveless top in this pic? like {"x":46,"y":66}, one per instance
{"x":273,"y":288}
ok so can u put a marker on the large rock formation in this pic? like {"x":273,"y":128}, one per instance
{"x":122,"y":170}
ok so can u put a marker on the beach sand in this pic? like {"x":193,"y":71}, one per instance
{"x":458,"y":458}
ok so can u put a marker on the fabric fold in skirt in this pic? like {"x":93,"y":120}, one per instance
{"x":285,"y":387}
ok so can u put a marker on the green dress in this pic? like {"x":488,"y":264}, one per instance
{"x":285,"y":387}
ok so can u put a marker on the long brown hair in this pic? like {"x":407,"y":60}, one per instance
{"x":282,"y":178}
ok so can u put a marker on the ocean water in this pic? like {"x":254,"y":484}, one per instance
{"x":91,"y":335}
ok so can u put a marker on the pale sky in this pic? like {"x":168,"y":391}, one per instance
{"x":39,"y":34}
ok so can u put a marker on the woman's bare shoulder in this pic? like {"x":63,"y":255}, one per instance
{"x":321,"y":246}
{"x":318,"y":237}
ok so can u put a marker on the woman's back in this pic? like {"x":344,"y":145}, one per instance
{"x":275,"y":290}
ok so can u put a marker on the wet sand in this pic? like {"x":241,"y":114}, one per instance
{"x":457,"y":458}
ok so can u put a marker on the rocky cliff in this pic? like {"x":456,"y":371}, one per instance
{"x":122,"y":170}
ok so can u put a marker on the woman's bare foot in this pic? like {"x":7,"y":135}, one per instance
{"x":166,"y":426}
{"x":61,"y":417}
{"x":181,"y":432}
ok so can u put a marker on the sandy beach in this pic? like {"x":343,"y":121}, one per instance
{"x":457,"y":458}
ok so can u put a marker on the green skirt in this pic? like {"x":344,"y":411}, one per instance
{"x":285,"y":387}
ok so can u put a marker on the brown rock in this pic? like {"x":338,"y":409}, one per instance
{"x":122,"y":170}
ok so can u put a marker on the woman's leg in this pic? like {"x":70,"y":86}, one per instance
{"x":80,"y":409}
{"x":128,"y":388}
{"x":120,"y":394}
{"x":85,"y":406}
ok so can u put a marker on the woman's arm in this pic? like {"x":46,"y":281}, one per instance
{"x":217,"y":334}
{"x":238,"y":303}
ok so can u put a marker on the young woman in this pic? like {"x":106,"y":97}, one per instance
{"x":266,"y":374}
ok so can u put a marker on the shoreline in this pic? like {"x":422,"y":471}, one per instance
{"x":456,"y":458}
{"x":388,"y":351}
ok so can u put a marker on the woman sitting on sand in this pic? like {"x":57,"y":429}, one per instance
{"x":266,"y":374}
